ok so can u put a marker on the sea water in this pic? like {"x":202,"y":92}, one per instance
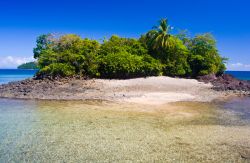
{"x":8,"y":75}
{"x":243,"y":75}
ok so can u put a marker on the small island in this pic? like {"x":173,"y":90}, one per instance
{"x":159,"y":67}
{"x":28,"y":65}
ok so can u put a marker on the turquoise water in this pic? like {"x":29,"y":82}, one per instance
{"x":243,"y":75}
{"x":8,"y":75}
{"x":95,"y":131}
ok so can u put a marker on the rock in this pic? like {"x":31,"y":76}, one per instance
{"x":226,"y":82}
{"x":207,"y":78}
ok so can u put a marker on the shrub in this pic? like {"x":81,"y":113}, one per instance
{"x":126,"y":65}
{"x":71,"y":50}
{"x":57,"y":70}
{"x":204,"y":58}
{"x":117,"y":44}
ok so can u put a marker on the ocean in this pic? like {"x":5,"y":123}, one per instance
{"x":243,"y":75}
{"x":8,"y":75}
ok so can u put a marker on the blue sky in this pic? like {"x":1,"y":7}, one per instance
{"x":22,"y":21}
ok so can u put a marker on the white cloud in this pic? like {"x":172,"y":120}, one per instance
{"x":13,"y":62}
{"x":238,"y":66}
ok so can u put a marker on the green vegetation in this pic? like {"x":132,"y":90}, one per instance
{"x":204,"y":58}
{"x":126,"y":58}
{"x":29,"y":65}
{"x":158,"y":52}
{"x":68,"y":55}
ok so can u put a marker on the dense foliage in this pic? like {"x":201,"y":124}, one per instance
{"x":126,"y":58}
{"x":183,"y":56}
{"x":29,"y":65}
{"x":158,"y":52}
{"x":204,"y":58}
{"x":127,"y":65}
{"x":77,"y":55}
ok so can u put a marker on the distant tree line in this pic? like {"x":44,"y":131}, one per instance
{"x":158,"y":52}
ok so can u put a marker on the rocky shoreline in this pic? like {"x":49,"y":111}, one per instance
{"x":227,"y":83}
{"x":46,"y":88}
{"x":151,"y":90}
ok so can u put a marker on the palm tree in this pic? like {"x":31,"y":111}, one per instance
{"x":158,"y":38}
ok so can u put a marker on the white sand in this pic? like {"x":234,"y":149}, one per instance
{"x":159,"y":90}
{"x":160,"y":98}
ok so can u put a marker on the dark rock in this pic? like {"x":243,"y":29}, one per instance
{"x":226,"y":82}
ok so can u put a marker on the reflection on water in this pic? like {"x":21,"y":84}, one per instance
{"x":99,"y":131}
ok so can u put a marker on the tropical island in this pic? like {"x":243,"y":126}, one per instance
{"x":74,"y":68}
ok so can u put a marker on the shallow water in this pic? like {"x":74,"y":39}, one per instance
{"x":100,"y":131}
